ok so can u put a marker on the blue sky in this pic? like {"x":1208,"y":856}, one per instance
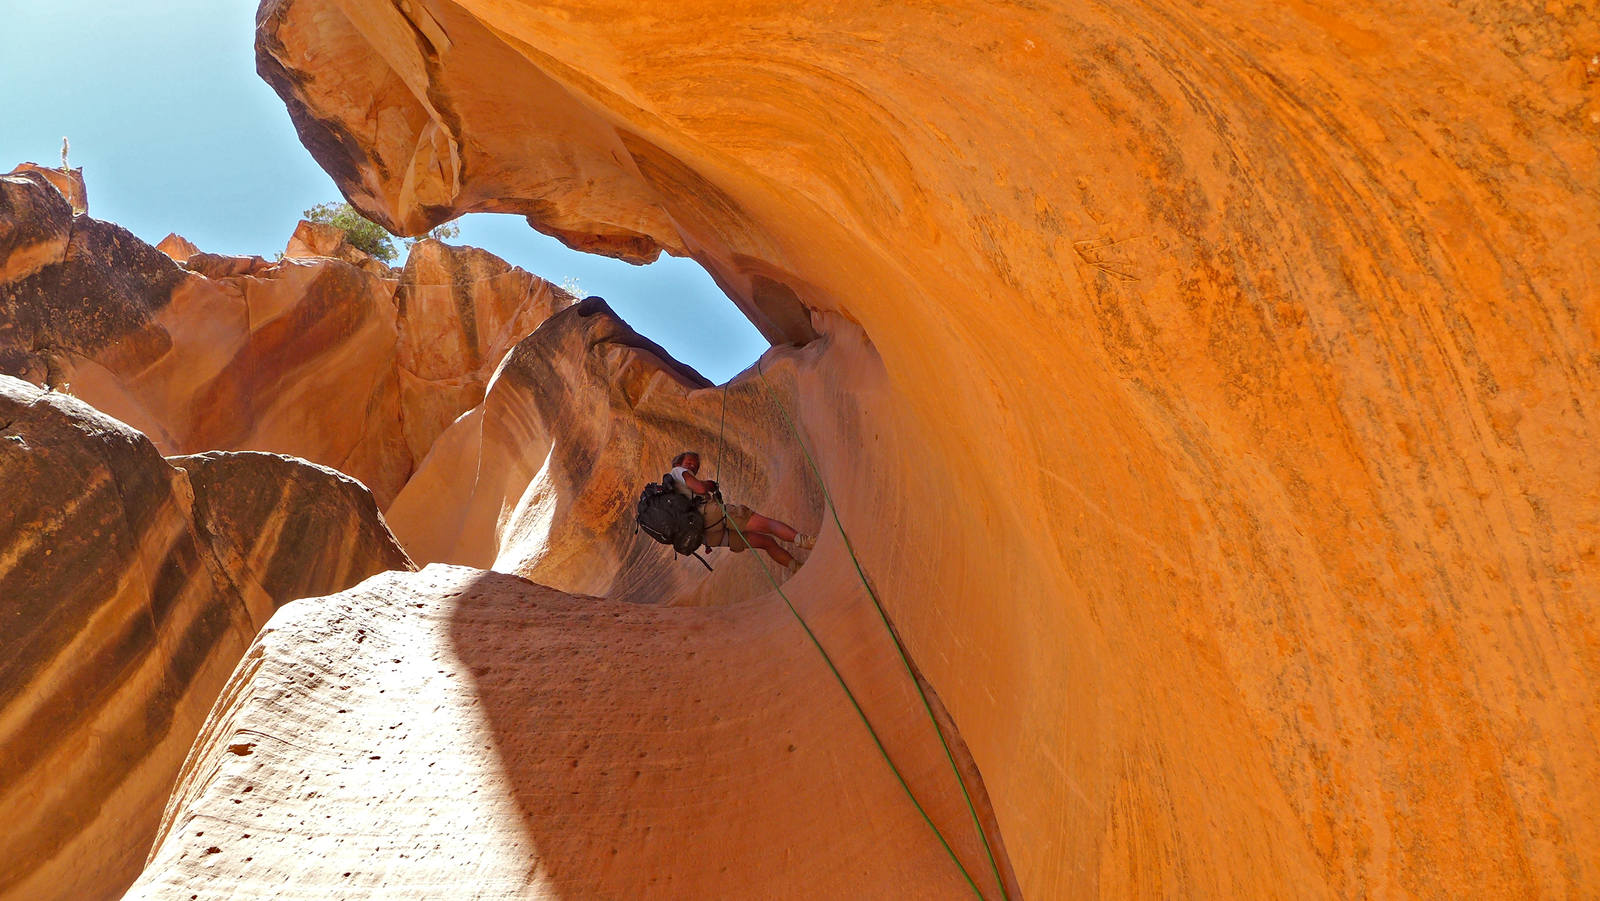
{"x":175,"y":132}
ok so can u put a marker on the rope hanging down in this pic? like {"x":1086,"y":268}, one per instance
{"x":884,"y":618}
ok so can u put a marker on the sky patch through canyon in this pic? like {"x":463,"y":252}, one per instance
{"x":176,"y":133}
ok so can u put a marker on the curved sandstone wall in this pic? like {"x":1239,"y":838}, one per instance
{"x":469,"y":729}
{"x":592,"y":746}
{"x":1257,"y":345}
{"x":541,"y":479}
{"x":130,"y":586}
{"x":334,"y":358}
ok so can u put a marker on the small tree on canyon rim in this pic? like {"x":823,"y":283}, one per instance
{"x":368,"y":236}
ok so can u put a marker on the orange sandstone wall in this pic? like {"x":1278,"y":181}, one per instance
{"x":1257,"y":343}
{"x":68,"y":181}
{"x":541,"y":479}
{"x":678,"y":738}
{"x":129,"y":587}
{"x":327,"y":354}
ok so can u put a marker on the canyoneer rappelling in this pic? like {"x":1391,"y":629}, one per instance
{"x":687,"y":512}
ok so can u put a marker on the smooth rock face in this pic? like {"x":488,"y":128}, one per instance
{"x":323,"y":358}
{"x":463,"y":728}
{"x":591,"y":747}
{"x":177,"y":246}
{"x":413,"y":174}
{"x":460,"y":310}
{"x":129,"y":588}
{"x":1256,"y":345}
{"x":286,"y":524}
{"x":541,"y":480}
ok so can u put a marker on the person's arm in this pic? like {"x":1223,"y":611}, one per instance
{"x":699,"y":486}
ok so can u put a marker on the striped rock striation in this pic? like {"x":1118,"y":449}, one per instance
{"x":130,"y":586}
{"x":1258,"y":345}
{"x":356,"y":367}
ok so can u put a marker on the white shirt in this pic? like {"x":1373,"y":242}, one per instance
{"x":678,"y":472}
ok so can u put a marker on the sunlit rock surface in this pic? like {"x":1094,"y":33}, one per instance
{"x":468,"y":729}
{"x":1239,"y":362}
{"x":314,"y":356}
{"x":460,"y":311}
{"x":591,"y":746}
{"x":542,"y":478}
{"x":68,"y":181}
{"x":129,"y":588}
{"x":320,"y":239}
{"x":177,"y":246}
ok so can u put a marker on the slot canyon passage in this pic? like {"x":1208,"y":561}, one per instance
{"x":1207,"y":392}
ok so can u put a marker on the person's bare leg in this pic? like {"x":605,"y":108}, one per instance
{"x":759,"y":523}
{"x":773,"y":549}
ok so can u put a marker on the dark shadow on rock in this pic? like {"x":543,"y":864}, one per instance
{"x":703,"y":752}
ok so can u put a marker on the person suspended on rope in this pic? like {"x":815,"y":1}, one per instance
{"x":757,"y":531}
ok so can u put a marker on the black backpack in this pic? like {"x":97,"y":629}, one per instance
{"x":670,"y":517}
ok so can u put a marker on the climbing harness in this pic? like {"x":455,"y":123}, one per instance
{"x":899,"y":649}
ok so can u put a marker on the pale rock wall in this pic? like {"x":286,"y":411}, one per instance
{"x":130,"y":586}
{"x":580,"y":415}
{"x":1259,"y":342}
{"x":469,"y":729}
{"x":679,"y":737}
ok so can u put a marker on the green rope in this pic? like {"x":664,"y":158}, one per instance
{"x":905,"y":661}
{"x":723,"y":425}
{"x":883,"y":616}
{"x":859,"y":712}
